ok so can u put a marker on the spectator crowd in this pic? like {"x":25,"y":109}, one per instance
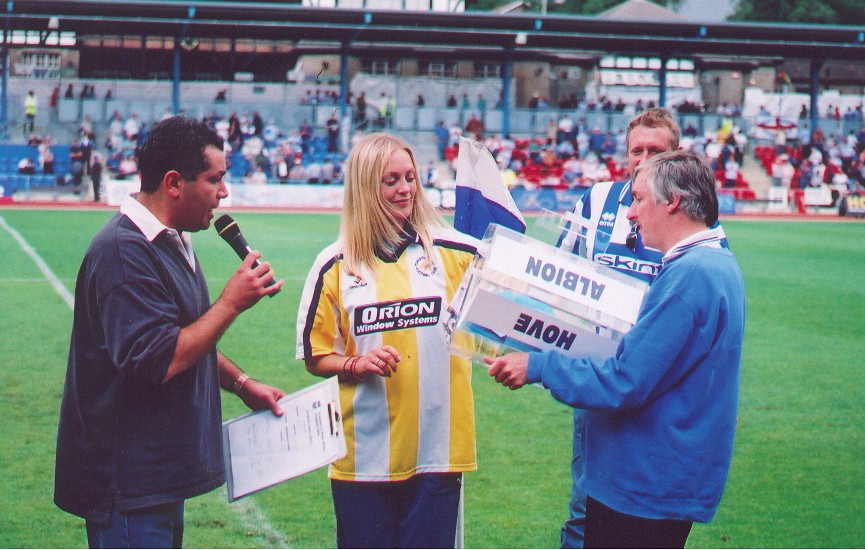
{"x":569,"y":154}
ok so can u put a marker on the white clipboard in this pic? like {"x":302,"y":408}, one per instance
{"x":261,"y":449}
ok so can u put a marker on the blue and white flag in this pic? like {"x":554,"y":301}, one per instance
{"x":481,"y":195}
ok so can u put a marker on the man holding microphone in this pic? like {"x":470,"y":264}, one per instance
{"x":140,"y":422}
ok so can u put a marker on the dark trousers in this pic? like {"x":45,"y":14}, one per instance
{"x":155,"y":527}
{"x":607,"y":528}
{"x":420,"y":512}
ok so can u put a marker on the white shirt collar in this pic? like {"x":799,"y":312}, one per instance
{"x":151,"y":227}
{"x":708,"y":237}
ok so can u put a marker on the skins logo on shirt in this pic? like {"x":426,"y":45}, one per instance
{"x":397,"y":315}
{"x":628,"y":264}
{"x":424,"y":268}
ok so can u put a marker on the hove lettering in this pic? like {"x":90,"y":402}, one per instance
{"x":547,"y":332}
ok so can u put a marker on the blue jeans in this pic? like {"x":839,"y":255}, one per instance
{"x":573,"y":532}
{"x":154,"y":527}
{"x":420,"y":512}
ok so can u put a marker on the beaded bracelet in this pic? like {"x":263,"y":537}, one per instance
{"x":353,"y":369}
{"x":349,"y":369}
{"x":345,"y":373}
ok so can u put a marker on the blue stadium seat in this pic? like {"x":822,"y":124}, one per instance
{"x":62,"y":162}
{"x":42,"y":180}
{"x":9,"y":184}
{"x":320,"y":144}
{"x":11,"y":153}
{"x":238,"y":166}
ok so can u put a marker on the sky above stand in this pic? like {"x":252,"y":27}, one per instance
{"x":710,"y":11}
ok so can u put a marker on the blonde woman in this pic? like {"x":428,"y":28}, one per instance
{"x":371,"y":314}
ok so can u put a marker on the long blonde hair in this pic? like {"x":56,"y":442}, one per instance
{"x":367,"y":224}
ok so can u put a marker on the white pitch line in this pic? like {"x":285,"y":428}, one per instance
{"x":251,"y":517}
{"x":55,"y":282}
{"x":257,"y":524}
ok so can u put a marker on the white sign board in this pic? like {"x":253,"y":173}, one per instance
{"x":568,"y":276}
{"x":521,"y":327}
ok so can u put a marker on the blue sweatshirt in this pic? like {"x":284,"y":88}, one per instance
{"x":662,"y":412}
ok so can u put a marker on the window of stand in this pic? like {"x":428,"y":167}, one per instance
{"x":487,"y":70}
{"x":380,"y":66}
{"x":39,"y":64}
{"x":441,"y":69}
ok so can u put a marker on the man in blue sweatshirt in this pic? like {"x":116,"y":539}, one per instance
{"x":662,"y":412}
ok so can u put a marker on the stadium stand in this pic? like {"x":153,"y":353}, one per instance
{"x":312,"y":94}
{"x":12,"y":181}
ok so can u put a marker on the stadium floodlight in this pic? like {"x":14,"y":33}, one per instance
{"x":521,"y":38}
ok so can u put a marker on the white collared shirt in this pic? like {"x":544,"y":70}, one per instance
{"x":151,"y":227}
{"x":708,"y":237}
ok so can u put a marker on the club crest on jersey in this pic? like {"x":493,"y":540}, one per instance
{"x":424,"y":267}
{"x":357,"y":282}
{"x":397,"y":315}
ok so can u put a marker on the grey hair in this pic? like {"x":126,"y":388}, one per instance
{"x":683,"y":174}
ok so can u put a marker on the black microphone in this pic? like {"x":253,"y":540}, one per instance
{"x":631,"y":239}
{"x":230,"y":231}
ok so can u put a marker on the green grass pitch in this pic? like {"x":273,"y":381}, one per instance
{"x":796,"y":479}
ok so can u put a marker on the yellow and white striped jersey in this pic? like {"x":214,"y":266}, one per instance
{"x":421,"y":419}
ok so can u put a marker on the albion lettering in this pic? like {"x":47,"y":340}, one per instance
{"x":383,"y":316}
{"x":565,"y":278}
{"x":548,"y":332}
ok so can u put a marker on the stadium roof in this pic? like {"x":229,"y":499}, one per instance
{"x":527,"y":35}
